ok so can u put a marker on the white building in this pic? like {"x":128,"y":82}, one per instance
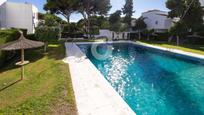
{"x":111,"y":35}
{"x":18,"y":15}
{"x":157,"y":20}
{"x":202,"y":2}
{"x":2,"y":1}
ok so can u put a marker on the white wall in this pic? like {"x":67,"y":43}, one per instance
{"x":35,"y":17}
{"x":157,"y":20}
{"x":111,"y":35}
{"x":104,"y":32}
{"x":19,"y":15}
{"x":202,"y":2}
{"x":2,"y":1}
{"x":2,"y":15}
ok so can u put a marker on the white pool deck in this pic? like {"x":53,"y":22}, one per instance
{"x":93,"y":94}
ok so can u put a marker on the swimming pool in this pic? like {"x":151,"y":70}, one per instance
{"x":152,"y":82}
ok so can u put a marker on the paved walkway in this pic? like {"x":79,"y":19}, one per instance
{"x":94,"y":95}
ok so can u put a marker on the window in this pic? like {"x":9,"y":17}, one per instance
{"x":156,"y":22}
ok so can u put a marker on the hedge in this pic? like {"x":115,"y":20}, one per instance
{"x":47,"y":34}
{"x":7,"y":36}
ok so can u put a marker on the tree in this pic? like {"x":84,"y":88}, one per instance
{"x":148,"y":33}
{"x":115,"y":21}
{"x":86,"y":7}
{"x":140,"y":26}
{"x":46,"y":34}
{"x":50,"y":20}
{"x":62,"y":7}
{"x":92,"y":7}
{"x":190,"y":12}
{"x":179,"y":30}
{"x":99,"y":21}
{"x":128,"y":11}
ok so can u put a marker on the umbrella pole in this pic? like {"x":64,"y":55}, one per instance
{"x":22,"y":66}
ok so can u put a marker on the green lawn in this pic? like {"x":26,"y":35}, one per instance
{"x":198,"y":49}
{"x":46,"y":88}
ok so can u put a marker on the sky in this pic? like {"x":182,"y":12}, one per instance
{"x":139,"y":6}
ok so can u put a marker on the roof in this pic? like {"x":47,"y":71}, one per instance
{"x":162,"y":14}
{"x":21,"y":43}
{"x":2,"y":2}
{"x":155,"y":10}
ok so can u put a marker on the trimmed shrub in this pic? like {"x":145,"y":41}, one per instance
{"x":46,"y":33}
{"x":31,"y":37}
{"x":21,"y":29}
{"x":162,"y":36}
{"x":94,"y":30}
{"x":7,"y":36}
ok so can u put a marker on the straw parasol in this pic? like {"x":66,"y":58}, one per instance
{"x":21,"y":44}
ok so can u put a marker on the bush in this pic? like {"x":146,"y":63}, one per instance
{"x":163,"y":36}
{"x":7,"y":36}
{"x":31,"y":37}
{"x":46,"y":33}
{"x":73,"y":35}
{"x":21,"y":29}
{"x":94,"y":30}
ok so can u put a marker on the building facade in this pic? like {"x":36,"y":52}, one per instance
{"x":157,"y":20}
{"x":202,"y":2}
{"x":2,"y":1}
{"x":18,"y":15}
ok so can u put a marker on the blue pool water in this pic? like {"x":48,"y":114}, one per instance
{"x":152,"y":82}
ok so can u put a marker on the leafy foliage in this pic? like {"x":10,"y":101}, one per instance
{"x":140,"y":24}
{"x":115,"y":21}
{"x":179,"y":29}
{"x":128,"y":11}
{"x":85,"y":7}
{"x":201,"y":30}
{"x":63,"y":7}
{"x":190,"y":12}
{"x":46,"y":33}
{"x":50,"y":20}
{"x":99,"y":21}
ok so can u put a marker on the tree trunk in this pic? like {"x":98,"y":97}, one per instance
{"x":170,"y":39}
{"x":68,"y":16}
{"x":85,"y":23}
{"x":148,"y":37}
{"x":88,"y":21}
{"x":139,"y":35}
{"x":68,"y":19}
{"x":177,"y":40}
{"x":45,"y":47}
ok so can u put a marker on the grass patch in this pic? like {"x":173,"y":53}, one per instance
{"x":198,"y":49}
{"x":46,"y":88}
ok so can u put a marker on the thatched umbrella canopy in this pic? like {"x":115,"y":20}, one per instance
{"x":21,"y":44}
